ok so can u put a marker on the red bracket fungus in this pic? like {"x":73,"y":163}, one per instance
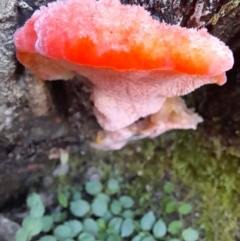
{"x":138,"y":66}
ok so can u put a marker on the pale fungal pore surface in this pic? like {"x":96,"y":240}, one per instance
{"x":138,"y":66}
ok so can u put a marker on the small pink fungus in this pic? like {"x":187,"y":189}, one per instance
{"x":138,"y":66}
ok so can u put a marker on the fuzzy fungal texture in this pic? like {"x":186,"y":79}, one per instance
{"x":138,"y":66}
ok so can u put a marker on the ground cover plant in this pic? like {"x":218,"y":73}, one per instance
{"x":100,"y":211}
{"x":206,"y":171}
{"x":197,"y":171}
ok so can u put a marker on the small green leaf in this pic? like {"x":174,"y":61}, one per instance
{"x":67,"y":193}
{"x":114,"y":237}
{"x":75,"y":226}
{"x":103,"y":235}
{"x":36,"y":206}
{"x":32,"y":225}
{"x":149,"y":238}
{"x":86,"y":237}
{"x":48,"y":238}
{"x":62,"y":232}
{"x":174,"y":239}
{"x":104,"y":197}
{"x":33,"y":200}
{"x":171,"y":207}
{"x":113,"y":186}
{"x":128,"y":214}
{"x":79,"y":208}
{"x":62,"y":199}
{"x":138,"y":237}
{"x":174,"y":227}
{"x":99,"y":206}
{"x":185,"y":208}
{"x":90,"y":226}
{"x":159,"y":229}
{"x":93,"y":187}
{"x":76,"y":196}
{"x":101,"y":223}
{"x":47,"y":223}
{"x":127,"y":228}
{"x":115,"y":224}
{"x":59,"y":216}
{"x":126,"y":201}
{"x":21,"y":235}
{"x":107,"y":216}
{"x":37,"y":211}
{"x":116,"y":207}
{"x":147,"y":221}
{"x":168,"y":187}
{"x":190,"y":234}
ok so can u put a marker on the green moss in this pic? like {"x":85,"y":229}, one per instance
{"x":204,"y":172}
{"x":213,"y":172}
{"x":210,"y":173}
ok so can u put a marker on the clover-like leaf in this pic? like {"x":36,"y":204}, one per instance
{"x":127,"y":228}
{"x":86,"y":237}
{"x":147,"y":221}
{"x":159,"y":229}
{"x":103,"y":196}
{"x":101,"y":223}
{"x":128,"y":214}
{"x":32,"y":225}
{"x":47,"y":223}
{"x":114,"y":237}
{"x":48,"y":238}
{"x":175,"y":226}
{"x":37,"y":211}
{"x":76,"y":196}
{"x":21,"y":235}
{"x":148,"y":238}
{"x":171,"y":207}
{"x":168,"y":187}
{"x":138,"y":237}
{"x":116,"y":207}
{"x":190,"y":234}
{"x":107,"y":216}
{"x":126,"y":201}
{"x":185,"y":208}
{"x":99,"y":206}
{"x":79,"y":208}
{"x":75,"y":226}
{"x":33,"y":200}
{"x":62,"y":232}
{"x":59,"y":216}
{"x":62,"y":199}
{"x":93,"y":187}
{"x":115,"y":224}
{"x":36,"y":206}
{"x":91,"y":226}
{"x":113,"y":186}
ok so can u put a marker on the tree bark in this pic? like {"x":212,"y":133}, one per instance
{"x":36,"y":116}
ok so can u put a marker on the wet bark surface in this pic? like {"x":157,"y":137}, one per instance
{"x":36,"y":116}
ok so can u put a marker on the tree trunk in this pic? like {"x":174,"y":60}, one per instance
{"x":36,"y":116}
